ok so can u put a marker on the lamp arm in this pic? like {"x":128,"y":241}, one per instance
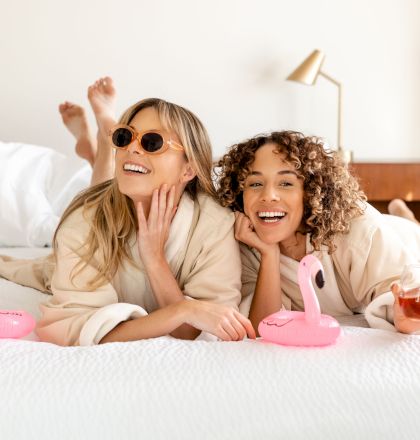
{"x":338,"y":84}
{"x":329,"y":78}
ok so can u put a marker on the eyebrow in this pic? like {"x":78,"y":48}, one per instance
{"x":157,"y":130}
{"x":281,"y":173}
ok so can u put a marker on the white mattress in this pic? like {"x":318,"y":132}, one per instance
{"x":366,"y":386}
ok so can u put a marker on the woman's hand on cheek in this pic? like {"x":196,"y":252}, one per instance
{"x":244,"y":232}
{"x":153,"y":232}
{"x":401,"y":322}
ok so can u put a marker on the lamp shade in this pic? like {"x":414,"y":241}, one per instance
{"x":308,"y":71}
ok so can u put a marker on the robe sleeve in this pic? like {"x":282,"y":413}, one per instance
{"x":76,"y":314}
{"x":216,"y":274}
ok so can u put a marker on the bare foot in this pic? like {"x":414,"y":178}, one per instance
{"x":399,"y":208}
{"x":74,"y":118}
{"x":102,"y":97}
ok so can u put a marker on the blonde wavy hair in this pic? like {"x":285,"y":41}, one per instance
{"x":113,"y":221}
{"x":332,"y":196}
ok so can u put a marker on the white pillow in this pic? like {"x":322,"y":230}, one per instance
{"x":36,"y":184}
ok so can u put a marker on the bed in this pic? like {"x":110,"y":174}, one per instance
{"x":367,"y":385}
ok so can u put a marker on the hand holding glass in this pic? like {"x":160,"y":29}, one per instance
{"x":409,"y":298}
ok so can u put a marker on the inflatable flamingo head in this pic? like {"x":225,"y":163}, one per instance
{"x":309,"y":267}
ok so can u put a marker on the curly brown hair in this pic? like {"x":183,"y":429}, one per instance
{"x":332,"y":196}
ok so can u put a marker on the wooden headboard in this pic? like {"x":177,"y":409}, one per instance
{"x":383,"y":182}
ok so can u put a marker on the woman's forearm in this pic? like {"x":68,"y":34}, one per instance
{"x":167,"y":292}
{"x":163,"y":283}
{"x":267,"y":296}
{"x":167,"y":320}
{"x":158,"y":323}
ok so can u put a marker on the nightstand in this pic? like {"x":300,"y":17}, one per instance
{"x":383,"y":182}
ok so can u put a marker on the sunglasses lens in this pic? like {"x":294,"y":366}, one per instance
{"x":152,"y":142}
{"x":122,"y":137}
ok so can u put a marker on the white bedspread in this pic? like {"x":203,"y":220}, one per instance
{"x":367,"y":386}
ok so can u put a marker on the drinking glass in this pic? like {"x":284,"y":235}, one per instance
{"x":409,"y":298}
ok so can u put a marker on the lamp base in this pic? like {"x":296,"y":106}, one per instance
{"x":345,"y":155}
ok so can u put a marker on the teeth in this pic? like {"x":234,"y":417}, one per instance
{"x":136,"y":168}
{"x":271,"y":214}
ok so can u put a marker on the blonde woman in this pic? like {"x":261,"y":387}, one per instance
{"x":148,"y":252}
{"x":293,"y":198}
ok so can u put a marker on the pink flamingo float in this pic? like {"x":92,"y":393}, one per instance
{"x":15,"y":323}
{"x":307,"y":328}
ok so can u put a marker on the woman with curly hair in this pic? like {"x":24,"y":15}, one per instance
{"x":291,"y":197}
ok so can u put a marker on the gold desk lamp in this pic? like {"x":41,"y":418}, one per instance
{"x":307,"y":73}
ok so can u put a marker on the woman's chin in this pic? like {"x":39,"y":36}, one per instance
{"x":135,"y":195}
{"x":268,"y":238}
{"x":273,"y":236}
{"x":271,"y":241}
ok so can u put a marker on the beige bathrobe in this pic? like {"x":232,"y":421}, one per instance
{"x":207,"y":267}
{"x":367,"y":260}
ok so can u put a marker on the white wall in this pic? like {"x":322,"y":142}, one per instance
{"x":224,"y":59}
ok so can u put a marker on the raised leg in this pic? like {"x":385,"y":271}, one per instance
{"x":102,"y":96}
{"x":399,"y":208}
{"x":74,"y":118}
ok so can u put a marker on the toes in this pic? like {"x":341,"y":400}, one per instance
{"x":91,"y":91}
{"x":101,"y":84}
{"x":92,"y":88}
{"x":95,"y":86}
{"x":68,"y":109}
{"x":104,"y":86}
{"x":65,"y":107}
{"x":108,"y":85}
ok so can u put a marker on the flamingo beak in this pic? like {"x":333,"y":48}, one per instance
{"x":319,"y":279}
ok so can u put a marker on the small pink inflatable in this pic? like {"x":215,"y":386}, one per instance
{"x":15,"y":323}
{"x":308,"y":328}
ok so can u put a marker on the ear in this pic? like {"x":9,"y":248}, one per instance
{"x":188,"y":173}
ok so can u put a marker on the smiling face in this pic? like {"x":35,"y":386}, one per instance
{"x":273,"y":196}
{"x":138,"y":173}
